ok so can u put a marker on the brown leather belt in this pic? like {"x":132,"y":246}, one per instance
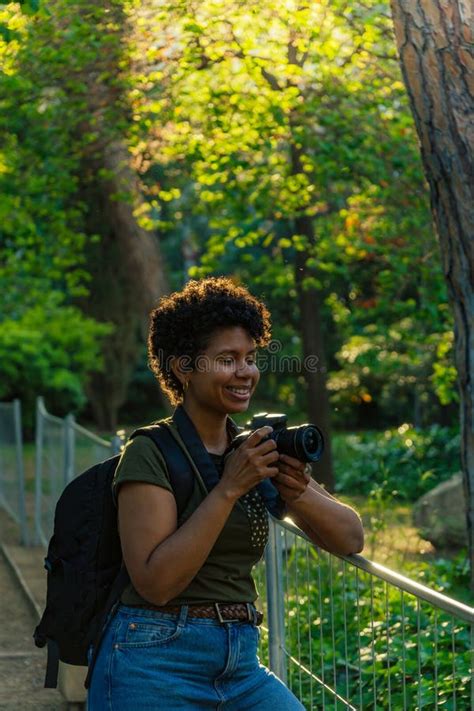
{"x":222,"y":611}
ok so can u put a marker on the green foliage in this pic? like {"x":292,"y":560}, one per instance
{"x":448,"y":575}
{"x":273,"y":114}
{"x":376,"y":506}
{"x":49,"y":351}
{"x":394,"y":368}
{"x":444,"y":377}
{"x":403,"y":462}
{"x":48,"y":346}
{"x":41,"y":240}
{"x":242,"y":121}
{"x":368,"y":640}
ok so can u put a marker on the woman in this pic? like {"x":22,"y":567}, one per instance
{"x":185,"y":635}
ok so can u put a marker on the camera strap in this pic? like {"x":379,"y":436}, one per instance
{"x":200,"y":456}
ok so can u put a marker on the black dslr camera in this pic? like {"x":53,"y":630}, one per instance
{"x":304,"y":442}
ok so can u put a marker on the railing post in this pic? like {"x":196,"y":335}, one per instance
{"x":117,"y":442}
{"x":472,"y":665}
{"x":69,"y":444}
{"x":275,"y":601}
{"x":21,"y":472}
{"x":39,"y":538}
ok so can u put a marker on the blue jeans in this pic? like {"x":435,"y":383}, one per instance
{"x":155,"y":660}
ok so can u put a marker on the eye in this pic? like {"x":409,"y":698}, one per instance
{"x":226,"y":361}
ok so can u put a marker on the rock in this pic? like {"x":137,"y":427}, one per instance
{"x":441,"y":514}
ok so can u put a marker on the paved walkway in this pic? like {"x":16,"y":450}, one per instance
{"x":22,"y":665}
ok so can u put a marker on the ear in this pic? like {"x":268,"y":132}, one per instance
{"x":180,"y":365}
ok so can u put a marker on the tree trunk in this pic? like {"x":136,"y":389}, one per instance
{"x":308,"y":298}
{"x":127,"y":267}
{"x":434,"y":39}
{"x":127,"y":280}
{"x":314,"y":370}
{"x":140,"y":247}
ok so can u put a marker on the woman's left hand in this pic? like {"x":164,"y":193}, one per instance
{"x":293,"y":478}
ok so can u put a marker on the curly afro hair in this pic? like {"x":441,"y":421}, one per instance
{"x":184,"y":322}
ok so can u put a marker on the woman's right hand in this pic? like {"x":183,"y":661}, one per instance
{"x":249,"y":464}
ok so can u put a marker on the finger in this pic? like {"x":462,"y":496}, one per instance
{"x":268,"y":446}
{"x":296,"y":473}
{"x":290,"y":468}
{"x":295,"y":463}
{"x":256,"y":437}
{"x":270,"y":458}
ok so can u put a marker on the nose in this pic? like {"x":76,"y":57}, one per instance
{"x":243,"y":369}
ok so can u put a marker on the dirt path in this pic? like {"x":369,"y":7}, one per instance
{"x":22,"y":665}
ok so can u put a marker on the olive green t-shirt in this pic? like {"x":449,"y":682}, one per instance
{"x":226,"y":575}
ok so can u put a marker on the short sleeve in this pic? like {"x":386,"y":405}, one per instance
{"x":141,"y":460}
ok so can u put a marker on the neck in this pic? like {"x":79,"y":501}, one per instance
{"x":210,"y":425}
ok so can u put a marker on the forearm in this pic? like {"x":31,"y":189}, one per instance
{"x":175,"y":562}
{"x":330,"y":523}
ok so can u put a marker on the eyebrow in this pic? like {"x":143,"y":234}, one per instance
{"x":253,"y":350}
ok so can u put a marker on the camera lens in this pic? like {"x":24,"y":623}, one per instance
{"x":311,"y":442}
{"x":304,"y":442}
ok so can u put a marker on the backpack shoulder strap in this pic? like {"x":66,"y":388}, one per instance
{"x":179,"y":469}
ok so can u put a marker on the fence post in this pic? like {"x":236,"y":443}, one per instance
{"x":275,"y":601}
{"x":472,"y":665}
{"x":39,"y":540}
{"x":69,"y":445}
{"x":21,"y":472}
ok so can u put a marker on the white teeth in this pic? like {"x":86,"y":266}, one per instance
{"x":240,"y":391}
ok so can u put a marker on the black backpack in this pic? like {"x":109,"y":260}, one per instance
{"x":84,"y":561}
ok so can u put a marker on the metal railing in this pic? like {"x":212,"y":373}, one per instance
{"x":342,"y":632}
{"x":63,"y":450}
{"x":347,"y":633}
{"x":12,"y":474}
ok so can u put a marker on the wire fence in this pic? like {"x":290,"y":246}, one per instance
{"x":347,"y":633}
{"x":12,"y":474}
{"x":63,"y":450}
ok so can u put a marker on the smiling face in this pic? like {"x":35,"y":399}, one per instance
{"x":226,"y":373}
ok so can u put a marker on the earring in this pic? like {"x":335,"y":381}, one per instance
{"x":185,"y":386}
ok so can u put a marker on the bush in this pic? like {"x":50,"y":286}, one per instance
{"x":406,"y":461}
{"x":50,"y":352}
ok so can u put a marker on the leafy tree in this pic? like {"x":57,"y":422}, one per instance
{"x":72,"y":76}
{"x":432,"y":39}
{"x":288,"y":149}
{"x":47,"y":344}
{"x":272,"y":142}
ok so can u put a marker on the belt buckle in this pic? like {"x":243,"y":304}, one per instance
{"x":252,"y":613}
{"x":255,"y":616}
{"x":219,"y":614}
